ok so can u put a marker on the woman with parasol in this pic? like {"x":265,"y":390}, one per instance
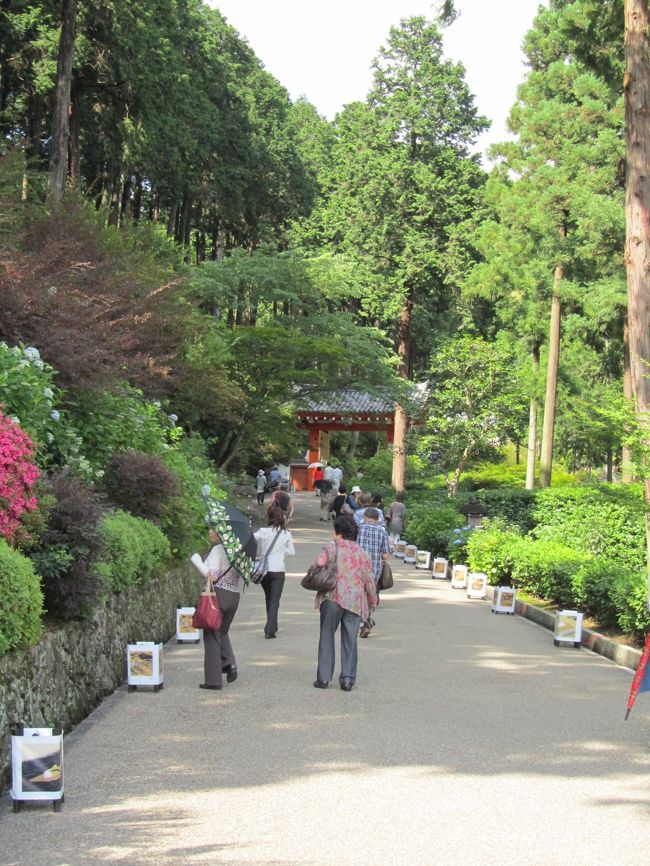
{"x":228,"y":565}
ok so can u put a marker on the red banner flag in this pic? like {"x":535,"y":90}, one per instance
{"x":641,"y":681}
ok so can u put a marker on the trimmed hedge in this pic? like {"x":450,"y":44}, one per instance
{"x":603,"y":520}
{"x":513,"y":505}
{"x":22,"y":601}
{"x":134,"y":551}
{"x":546,"y":569}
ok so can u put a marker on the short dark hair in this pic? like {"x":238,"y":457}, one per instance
{"x":346,"y":527}
{"x":343,"y":488}
{"x":371,"y":513}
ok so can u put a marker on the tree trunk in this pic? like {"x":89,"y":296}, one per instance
{"x":532,"y":423}
{"x":234,"y":445}
{"x":61,"y":116}
{"x":352,"y":446}
{"x":126,"y":199}
{"x":452,"y":484}
{"x":627,"y":468}
{"x":609,"y":466}
{"x":404,"y":370}
{"x":637,"y":203}
{"x":115,"y":195}
{"x":399,"y":450}
{"x":74,"y":143}
{"x":137,"y":199}
{"x":171,"y":222}
{"x":35,"y":110}
{"x":546,"y":462}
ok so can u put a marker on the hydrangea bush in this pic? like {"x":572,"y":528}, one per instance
{"x":18,"y":474}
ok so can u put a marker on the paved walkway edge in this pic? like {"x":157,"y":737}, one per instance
{"x":620,"y":654}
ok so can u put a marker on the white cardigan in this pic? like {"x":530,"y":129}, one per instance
{"x":282,"y":547}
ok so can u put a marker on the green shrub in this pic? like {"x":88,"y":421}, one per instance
{"x":455,"y":543}
{"x":378,"y":470}
{"x":182,"y":517}
{"x":592,"y":589}
{"x":490,"y":476}
{"x":491,"y":549}
{"x":68,"y":547}
{"x":603,"y":520}
{"x":513,"y":505}
{"x":22,"y":601}
{"x":428,"y":525}
{"x":546,"y":569}
{"x":629,"y":592}
{"x":119,"y":420}
{"x":134,"y":551}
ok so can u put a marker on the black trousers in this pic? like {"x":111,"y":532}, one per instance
{"x":272,"y":584}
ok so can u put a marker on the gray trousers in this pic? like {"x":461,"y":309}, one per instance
{"x":216,"y":644}
{"x":331,"y":615}
{"x":272,"y":584}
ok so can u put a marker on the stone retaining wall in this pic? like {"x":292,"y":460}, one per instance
{"x":70,"y":671}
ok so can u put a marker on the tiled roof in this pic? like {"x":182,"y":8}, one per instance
{"x":346,"y":401}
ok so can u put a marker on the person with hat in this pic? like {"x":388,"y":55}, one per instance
{"x":260,"y":486}
{"x":351,"y":500}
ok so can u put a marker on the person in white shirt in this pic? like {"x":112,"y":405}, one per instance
{"x":337,"y":477}
{"x":275,"y":534}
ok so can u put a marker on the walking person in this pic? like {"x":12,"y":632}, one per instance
{"x":282,"y":499}
{"x":352,"y":600}
{"x":325,"y":499}
{"x":276,"y":541}
{"x":337,"y":477}
{"x":395,"y":518}
{"x":260,"y":486}
{"x":373,"y":538}
{"x":364,"y":502}
{"x":218,"y":655}
{"x":339,"y":501}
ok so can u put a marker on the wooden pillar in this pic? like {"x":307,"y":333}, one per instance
{"x":314,"y":436}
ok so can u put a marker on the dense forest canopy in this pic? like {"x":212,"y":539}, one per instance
{"x":262,"y":247}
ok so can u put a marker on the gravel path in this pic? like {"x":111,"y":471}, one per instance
{"x":469,"y":740}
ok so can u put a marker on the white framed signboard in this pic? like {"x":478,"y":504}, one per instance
{"x":410,"y":553}
{"x":423,"y":559}
{"x":459,"y":577}
{"x":568,"y":628}
{"x":400,"y":549}
{"x":440,"y":568}
{"x":37,"y":766}
{"x":476,"y":584}
{"x":144,"y":665}
{"x":185,"y":631}
{"x":504,"y":599}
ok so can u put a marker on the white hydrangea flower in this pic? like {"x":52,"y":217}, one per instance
{"x":32,"y":353}
{"x":55,"y":415}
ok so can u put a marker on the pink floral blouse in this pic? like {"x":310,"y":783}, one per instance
{"x":355,"y":583}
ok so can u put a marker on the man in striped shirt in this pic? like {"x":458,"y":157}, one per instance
{"x":373,"y":538}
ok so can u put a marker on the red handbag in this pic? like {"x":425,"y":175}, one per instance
{"x":208,"y":613}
